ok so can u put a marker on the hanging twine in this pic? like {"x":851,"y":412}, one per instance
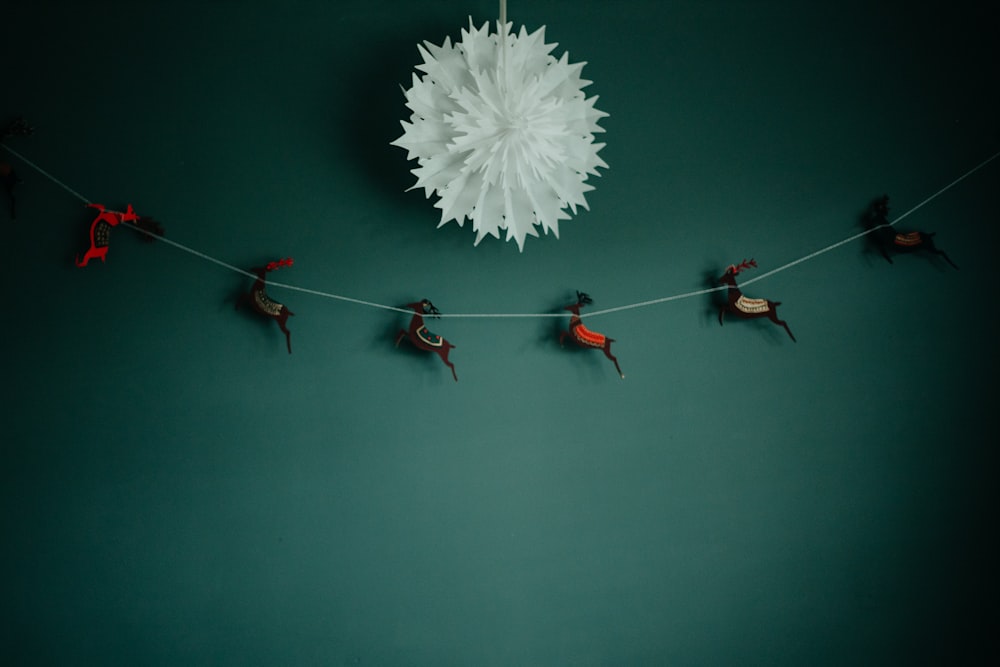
{"x":503,"y":40}
{"x":606,"y":311}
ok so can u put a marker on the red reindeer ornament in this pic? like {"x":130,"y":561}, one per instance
{"x":422,"y":338}
{"x":259,"y":300}
{"x":583,"y":336}
{"x":100,"y":230}
{"x":744,"y":307}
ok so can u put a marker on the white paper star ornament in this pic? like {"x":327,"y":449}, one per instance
{"x":502,"y":132}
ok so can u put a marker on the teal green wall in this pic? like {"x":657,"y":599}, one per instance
{"x":177,"y":490}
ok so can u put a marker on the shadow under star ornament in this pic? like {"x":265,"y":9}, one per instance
{"x":502,"y":132}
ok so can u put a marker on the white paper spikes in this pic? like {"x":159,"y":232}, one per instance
{"x":503,"y":134}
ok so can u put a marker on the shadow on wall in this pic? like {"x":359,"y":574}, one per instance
{"x":366,"y":126}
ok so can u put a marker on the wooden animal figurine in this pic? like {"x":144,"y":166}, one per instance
{"x":259,"y":300}
{"x":891,"y":242}
{"x":422,"y":338}
{"x":100,"y":230}
{"x":744,"y":307}
{"x":583,"y":336}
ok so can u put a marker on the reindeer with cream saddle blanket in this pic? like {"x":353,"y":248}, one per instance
{"x":745,"y":307}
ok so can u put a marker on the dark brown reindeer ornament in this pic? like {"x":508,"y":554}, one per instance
{"x":259,"y":300}
{"x":890,"y":242}
{"x":745,"y":307}
{"x":422,"y":338}
{"x":583,"y":336}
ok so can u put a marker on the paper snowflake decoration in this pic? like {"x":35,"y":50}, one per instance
{"x":503,"y":133}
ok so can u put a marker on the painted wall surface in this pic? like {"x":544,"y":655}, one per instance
{"x":177,"y":489}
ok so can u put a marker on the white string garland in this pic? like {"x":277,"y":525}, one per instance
{"x":606,"y":311}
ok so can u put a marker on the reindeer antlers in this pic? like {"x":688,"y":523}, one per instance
{"x":17,"y":128}
{"x":743,"y":265}
{"x":271,"y":266}
{"x":430,"y":308}
{"x":582,"y":298}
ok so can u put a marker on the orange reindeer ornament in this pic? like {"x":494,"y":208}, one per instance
{"x":583,"y":336}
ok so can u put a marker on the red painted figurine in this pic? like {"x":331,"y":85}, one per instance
{"x":100,"y":230}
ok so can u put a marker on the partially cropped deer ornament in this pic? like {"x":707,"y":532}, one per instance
{"x":259,"y":300}
{"x":420,"y":335}
{"x":583,"y":336}
{"x":891,"y":242}
{"x":100,"y":230}
{"x":744,"y":307}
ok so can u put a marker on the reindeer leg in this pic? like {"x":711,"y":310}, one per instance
{"x":607,"y":353}
{"x":444,"y":358}
{"x":443,"y":353}
{"x":288,"y":335}
{"x":942,"y":253}
{"x":885,"y":253}
{"x":562,"y":338}
{"x":281,"y":319}
{"x":400,"y":337}
{"x":722,"y":312}
{"x":86,"y":257}
{"x":782,"y":323}
{"x":93,"y":253}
